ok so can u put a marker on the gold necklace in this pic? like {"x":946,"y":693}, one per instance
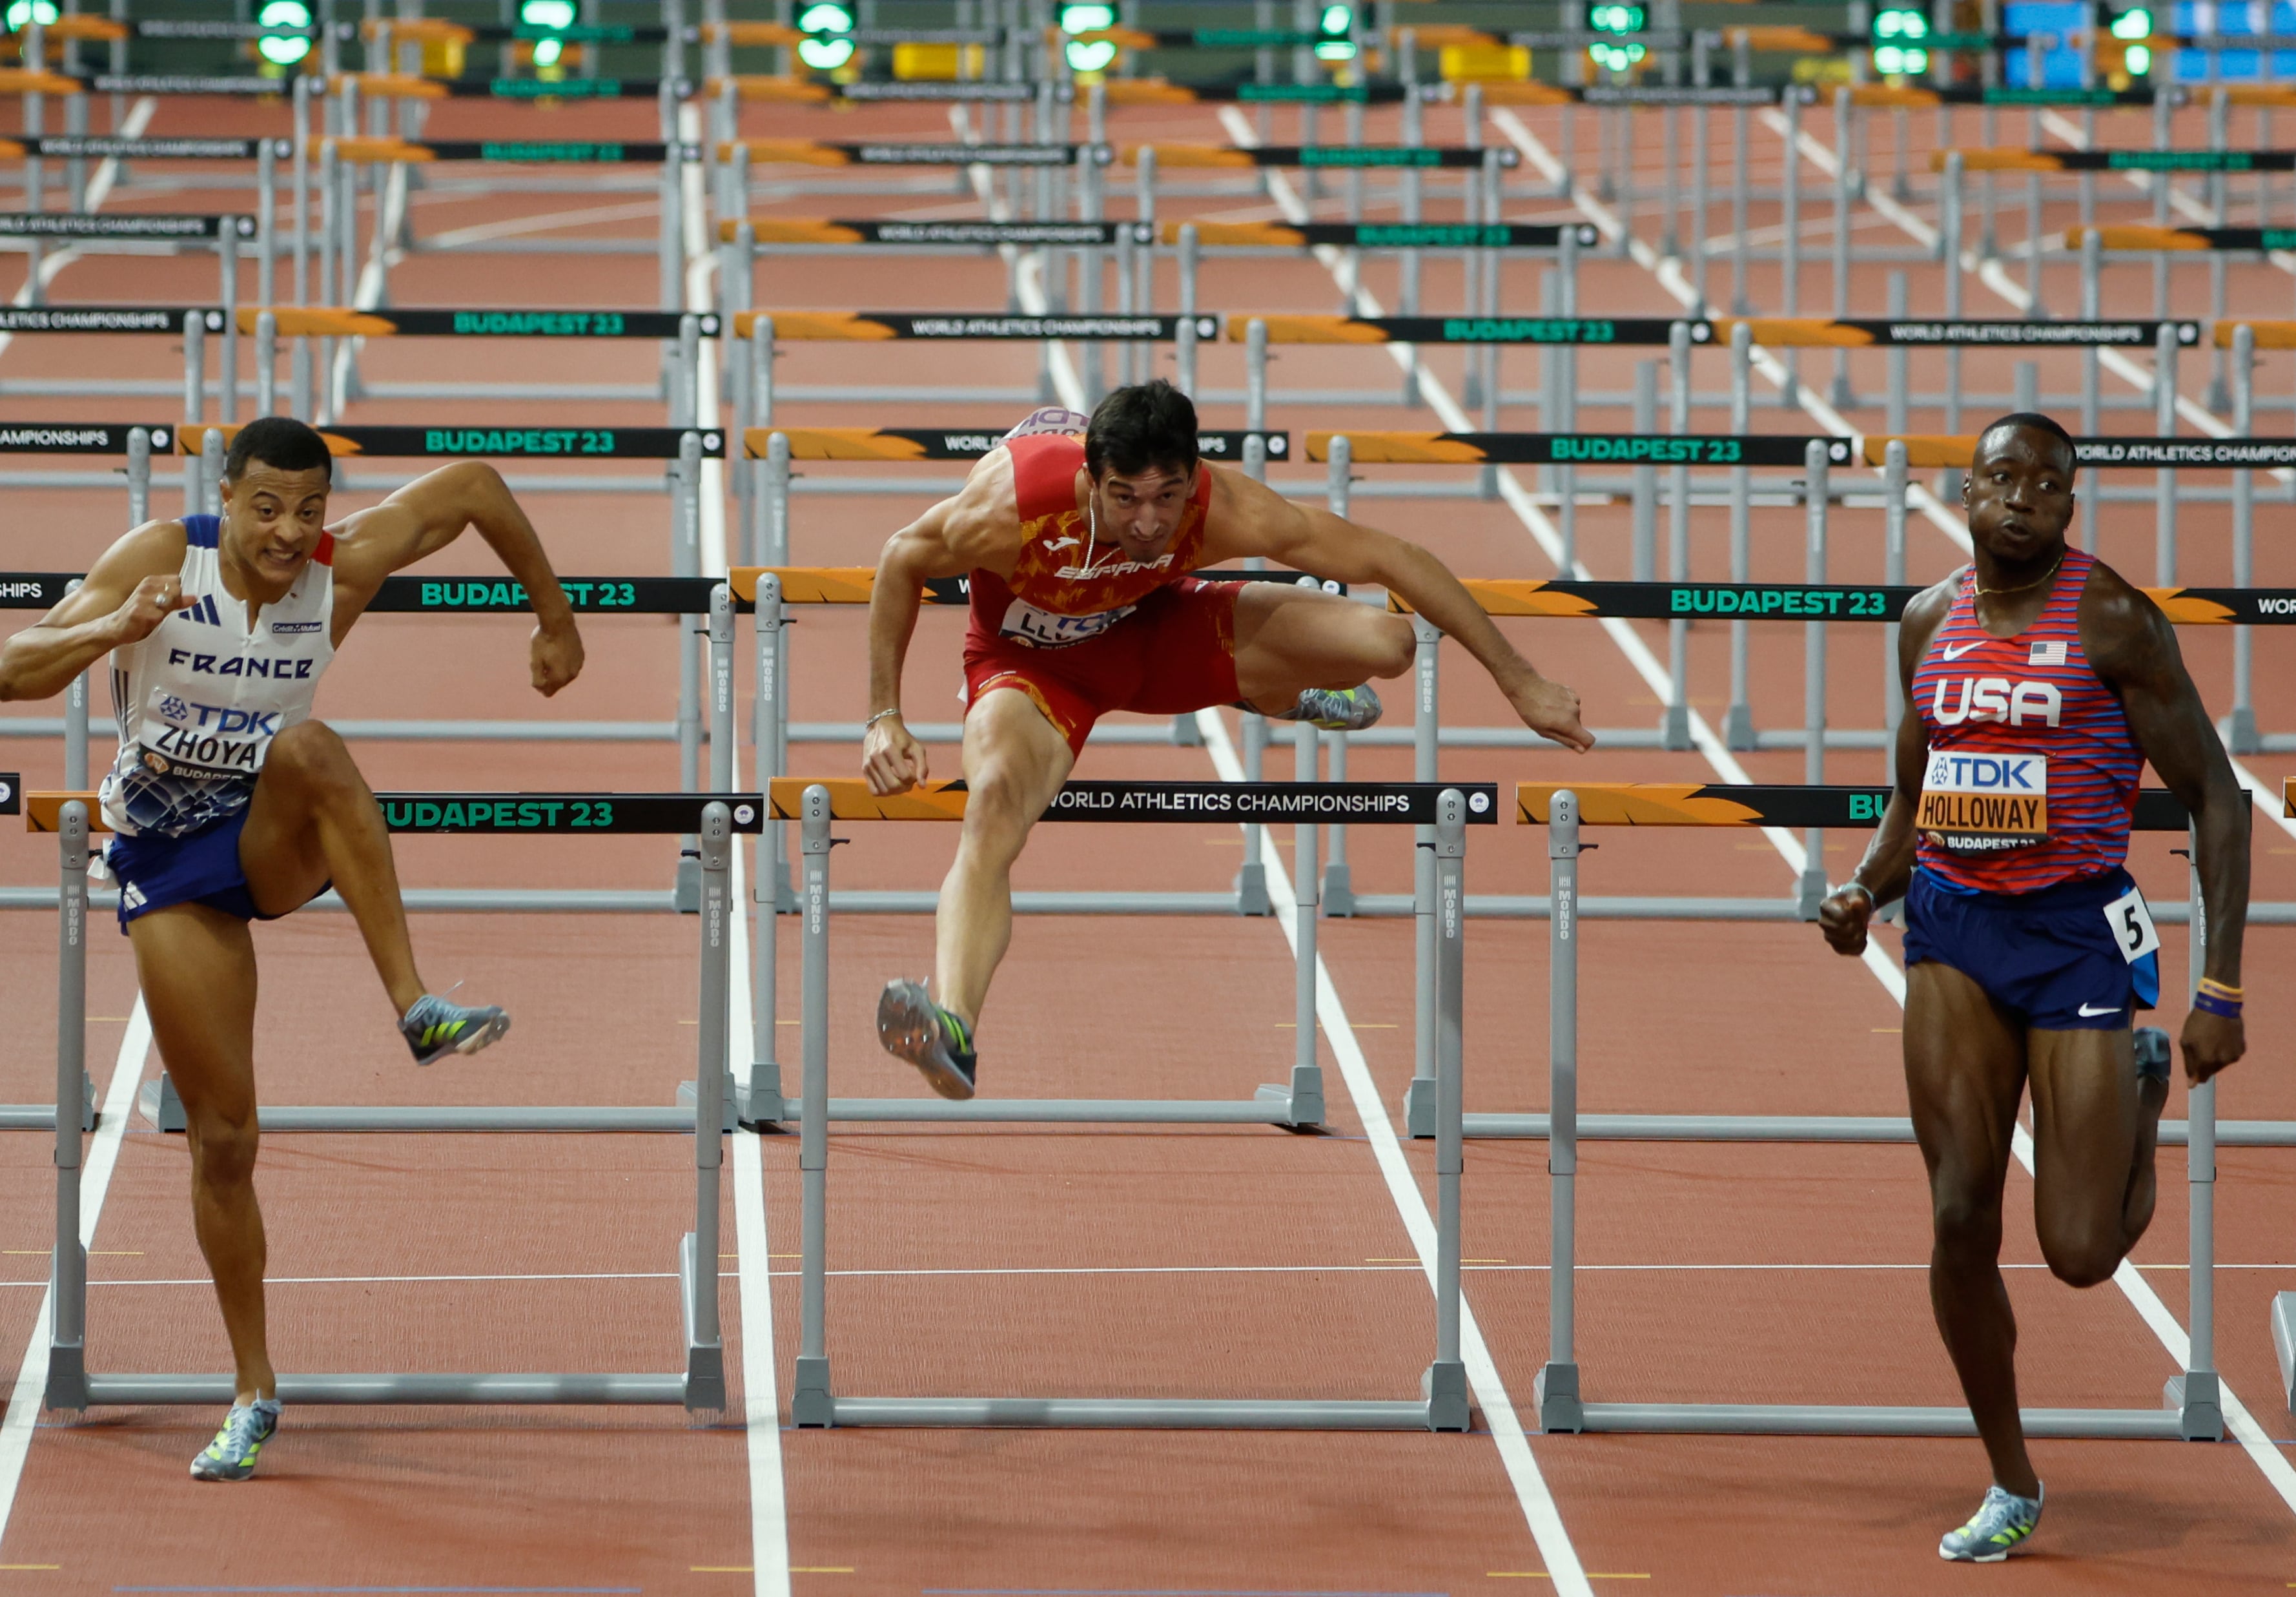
{"x":1984,"y":592}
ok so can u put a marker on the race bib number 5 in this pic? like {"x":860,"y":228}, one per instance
{"x":2132,"y":925}
{"x":1985,"y":804}
{"x":1041,"y":629}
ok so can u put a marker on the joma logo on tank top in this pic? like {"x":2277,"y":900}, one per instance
{"x":2031,"y":775}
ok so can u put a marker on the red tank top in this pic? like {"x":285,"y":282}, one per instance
{"x":1067,"y":586}
{"x":2032,"y":771}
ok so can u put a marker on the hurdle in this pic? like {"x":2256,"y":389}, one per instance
{"x":142,"y":233}
{"x":1444,"y":1403}
{"x":337,"y":156}
{"x":699,"y":1386}
{"x":678,"y":332}
{"x":2191,"y":1411}
{"x":758,"y":392}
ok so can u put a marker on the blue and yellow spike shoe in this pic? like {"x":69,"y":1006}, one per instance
{"x":232,"y":1455}
{"x":1335,"y":709}
{"x":914,"y":1028}
{"x":2003,"y":1521}
{"x":434,"y":1028}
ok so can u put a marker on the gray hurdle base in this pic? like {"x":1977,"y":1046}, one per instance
{"x":1444,"y":1403}
{"x":2191,"y":1409}
{"x":72,"y":1386}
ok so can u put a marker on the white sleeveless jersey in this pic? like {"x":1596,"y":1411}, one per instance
{"x":200,"y":699}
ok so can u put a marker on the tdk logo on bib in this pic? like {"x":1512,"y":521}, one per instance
{"x":2016,"y":774}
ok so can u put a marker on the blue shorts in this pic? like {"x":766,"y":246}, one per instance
{"x":200,"y":868}
{"x":2050,"y":958}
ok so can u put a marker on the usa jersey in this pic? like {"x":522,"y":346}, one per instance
{"x":2031,"y":774}
{"x":199,"y":700}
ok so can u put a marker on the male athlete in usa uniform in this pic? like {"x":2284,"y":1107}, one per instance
{"x":2040,"y":683}
{"x":229,"y":803}
{"x":1078,"y":534}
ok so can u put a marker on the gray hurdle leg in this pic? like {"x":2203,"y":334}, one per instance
{"x":810,"y":1400}
{"x":2239,"y":728}
{"x":759,"y":1098}
{"x":1419,"y":1098}
{"x":705,"y":1349}
{"x":66,"y":1385}
{"x":1305,"y":1095}
{"x":1813,"y":873}
{"x":1445,"y":1383}
{"x":2195,"y":1394}
{"x":1557,"y":1386}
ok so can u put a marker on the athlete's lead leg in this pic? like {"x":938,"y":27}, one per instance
{"x":1014,"y":761}
{"x":1964,"y":1074}
{"x":197,"y":968}
{"x":313,"y":818}
{"x":1289,"y":640}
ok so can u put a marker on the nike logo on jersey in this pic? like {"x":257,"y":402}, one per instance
{"x":2092,"y":1013}
{"x":1951,"y":653}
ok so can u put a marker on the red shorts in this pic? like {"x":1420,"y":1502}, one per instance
{"x":1174,"y":653}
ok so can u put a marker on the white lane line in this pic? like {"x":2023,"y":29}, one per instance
{"x":1530,"y":1490}
{"x":761,"y":1413}
{"x":95,"y":1179}
{"x":2242,"y":1425}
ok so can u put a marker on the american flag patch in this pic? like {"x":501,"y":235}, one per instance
{"x":2051,"y":653}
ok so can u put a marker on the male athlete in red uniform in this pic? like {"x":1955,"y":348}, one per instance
{"x":2041,"y":683}
{"x":1080,"y":550}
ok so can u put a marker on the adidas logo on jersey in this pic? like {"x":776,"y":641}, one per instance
{"x":203,"y":611}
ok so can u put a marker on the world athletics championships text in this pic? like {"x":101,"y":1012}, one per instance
{"x":1269,"y":806}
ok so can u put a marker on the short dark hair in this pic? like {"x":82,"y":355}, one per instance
{"x":2038,"y":424}
{"x":1139,"y":428}
{"x":279,"y":441}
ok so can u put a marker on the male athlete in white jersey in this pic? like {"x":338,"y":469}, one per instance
{"x":229,"y":804}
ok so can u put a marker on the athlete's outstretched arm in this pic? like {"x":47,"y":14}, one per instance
{"x":1887,"y":870}
{"x":2135,"y":651}
{"x":891,"y":760}
{"x":1316,"y":542}
{"x":433,"y":512}
{"x":132,"y":588}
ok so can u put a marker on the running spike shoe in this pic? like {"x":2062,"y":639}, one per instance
{"x":914,"y":1028}
{"x":2152,"y":1053}
{"x":232,"y":1455}
{"x":1335,"y":709}
{"x":2002,"y":1521}
{"x":434,"y":1028}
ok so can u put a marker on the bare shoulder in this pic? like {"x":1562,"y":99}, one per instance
{"x":2123,"y":630}
{"x":154,"y":549}
{"x":981,"y":525}
{"x":1925,"y":612}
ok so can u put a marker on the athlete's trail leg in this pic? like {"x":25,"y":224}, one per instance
{"x":1964,"y":1074}
{"x":1289,"y":640}
{"x":197,"y":967}
{"x":1014,"y":761}
{"x":2095,"y":1129}
{"x":312,"y":819}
